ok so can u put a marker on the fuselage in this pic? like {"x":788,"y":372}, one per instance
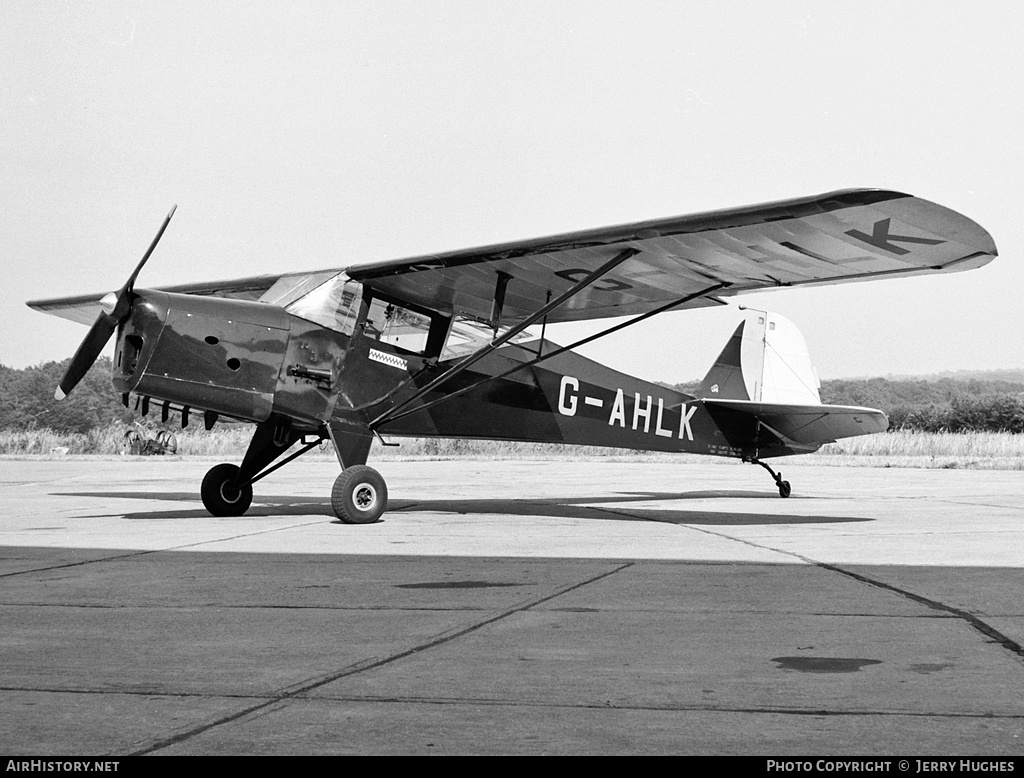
{"x":336,"y":354}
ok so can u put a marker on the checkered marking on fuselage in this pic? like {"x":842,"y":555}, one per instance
{"x":388,"y":359}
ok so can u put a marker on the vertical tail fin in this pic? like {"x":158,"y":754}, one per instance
{"x":765,"y":360}
{"x":726,"y":379}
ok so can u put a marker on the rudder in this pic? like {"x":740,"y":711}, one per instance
{"x":765,"y":360}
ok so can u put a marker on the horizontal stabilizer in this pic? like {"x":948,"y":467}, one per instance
{"x":805,"y":426}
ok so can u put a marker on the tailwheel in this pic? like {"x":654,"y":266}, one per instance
{"x":360,"y":495}
{"x":221,"y":495}
{"x":784,"y":488}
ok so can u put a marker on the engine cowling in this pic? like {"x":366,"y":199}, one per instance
{"x":213,"y":353}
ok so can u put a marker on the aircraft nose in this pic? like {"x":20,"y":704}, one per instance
{"x":137,"y":337}
{"x":218,"y":354}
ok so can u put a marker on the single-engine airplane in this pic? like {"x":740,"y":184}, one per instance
{"x":441,"y":345}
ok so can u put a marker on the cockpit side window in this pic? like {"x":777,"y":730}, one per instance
{"x":337,"y":302}
{"x":334,"y":304}
{"x":469,"y":335}
{"x":389,"y":323}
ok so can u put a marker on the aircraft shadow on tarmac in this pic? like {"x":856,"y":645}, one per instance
{"x":612,"y":507}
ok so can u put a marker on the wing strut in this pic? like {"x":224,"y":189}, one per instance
{"x":537,"y":315}
{"x":541,"y":358}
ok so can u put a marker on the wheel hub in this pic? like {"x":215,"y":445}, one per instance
{"x":229,"y":493}
{"x":364,"y":497}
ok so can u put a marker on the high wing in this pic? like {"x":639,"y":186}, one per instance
{"x":849,"y":235}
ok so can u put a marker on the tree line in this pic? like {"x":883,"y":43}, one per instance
{"x":942,"y":405}
{"x":28,"y":403}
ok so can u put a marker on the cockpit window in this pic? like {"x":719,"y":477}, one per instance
{"x":334,"y":304}
{"x":397,"y":326}
{"x":468,"y":335}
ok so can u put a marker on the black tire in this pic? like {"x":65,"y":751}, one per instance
{"x":167,"y":441}
{"x":220,"y":496}
{"x":360,"y":495}
{"x":133,"y":442}
{"x":785,"y":489}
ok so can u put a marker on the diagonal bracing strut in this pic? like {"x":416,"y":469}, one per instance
{"x":561,"y":350}
{"x":479,"y":354}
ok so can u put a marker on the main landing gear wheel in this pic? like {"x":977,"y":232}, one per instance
{"x":784,"y":489}
{"x":360,"y":495}
{"x":221,"y":496}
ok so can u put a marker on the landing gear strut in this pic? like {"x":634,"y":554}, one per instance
{"x":784,"y":488}
{"x":227,"y":488}
{"x":360,"y":495}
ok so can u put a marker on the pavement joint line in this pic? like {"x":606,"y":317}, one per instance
{"x":976,"y":623}
{"x":540,"y":704}
{"x":694,"y":527}
{"x":972,"y":620}
{"x":238,"y":606}
{"x":768,"y":709}
{"x":65,"y":565}
{"x":1013,"y":508}
{"x":304,"y":687}
{"x":144,"y":552}
{"x":441,"y":609}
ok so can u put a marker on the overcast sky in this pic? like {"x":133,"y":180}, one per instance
{"x":305,"y":135}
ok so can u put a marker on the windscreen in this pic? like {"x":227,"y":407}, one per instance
{"x":334,"y":304}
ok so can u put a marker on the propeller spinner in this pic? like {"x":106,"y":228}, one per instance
{"x":116,"y":309}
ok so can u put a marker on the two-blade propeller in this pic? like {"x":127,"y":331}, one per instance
{"x":116,"y":309}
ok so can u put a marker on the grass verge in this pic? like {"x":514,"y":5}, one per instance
{"x":969,"y":450}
